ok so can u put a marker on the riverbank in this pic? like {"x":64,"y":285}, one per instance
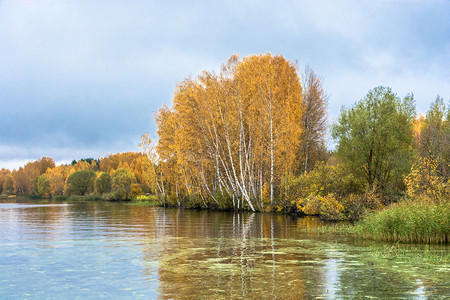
{"x":150,"y":200}
{"x":407,"y":221}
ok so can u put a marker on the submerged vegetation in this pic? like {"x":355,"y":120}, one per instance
{"x":422,"y":257}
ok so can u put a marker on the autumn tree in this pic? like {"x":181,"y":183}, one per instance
{"x":6,"y":182}
{"x":231,"y":135}
{"x":3,"y":174}
{"x":41,"y":186}
{"x":23,"y":177}
{"x":270,"y":88}
{"x":136,"y":162}
{"x":57,"y":177}
{"x":314,"y":121}
{"x":151,"y":175}
{"x":431,"y":172}
{"x":8,"y":185}
{"x":374,"y":137}
{"x":45,"y":163}
{"x":434,"y":139}
{"x":121,"y":181}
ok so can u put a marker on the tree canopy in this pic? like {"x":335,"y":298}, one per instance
{"x":81,"y":182}
{"x":374,"y":137}
{"x":232,"y":135}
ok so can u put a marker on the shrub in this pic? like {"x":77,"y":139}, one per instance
{"x":111,"y":196}
{"x":103,"y":183}
{"x":331,"y":209}
{"x":310,"y":205}
{"x":332,"y":192}
{"x":81,"y":182}
{"x":324,"y":179}
{"x":326,"y":207}
{"x":147,"y":198}
{"x":426,"y":182}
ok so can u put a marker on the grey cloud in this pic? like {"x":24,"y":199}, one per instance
{"x":80,"y":77}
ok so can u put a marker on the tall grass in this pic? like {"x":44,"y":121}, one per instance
{"x":408,"y":221}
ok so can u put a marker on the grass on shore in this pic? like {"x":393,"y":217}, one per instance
{"x":145,"y":200}
{"x":406,"y":221}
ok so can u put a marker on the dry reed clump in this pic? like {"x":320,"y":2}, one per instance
{"x":409,"y":221}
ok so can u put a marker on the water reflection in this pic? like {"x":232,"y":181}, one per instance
{"x":110,"y":250}
{"x":241,"y":257}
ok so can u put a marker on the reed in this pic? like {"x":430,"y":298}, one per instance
{"x":408,"y":221}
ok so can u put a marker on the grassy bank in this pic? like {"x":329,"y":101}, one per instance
{"x":408,"y":221}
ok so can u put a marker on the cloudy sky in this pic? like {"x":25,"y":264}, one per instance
{"x":82,"y":78}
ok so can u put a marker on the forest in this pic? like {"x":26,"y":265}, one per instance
{"x":120,"y":176}
{"x":253,"y":137}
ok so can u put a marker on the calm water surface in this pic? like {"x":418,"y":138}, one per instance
{"x":96,"y":250}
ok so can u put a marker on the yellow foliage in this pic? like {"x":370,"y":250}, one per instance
{"x":57,"y":178}
{"x":235,"y":133}
{"x":311,"y":205}
{"x":327,"y":207}
{"x":135,"y":190}
{"x":372,"y":199}
{"x":424,"y":180}
{"x":418,"y":126}
{"x":265,"y":192}
{"x":331,"y":208}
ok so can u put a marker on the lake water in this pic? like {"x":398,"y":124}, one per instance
{"x":97,"y":250}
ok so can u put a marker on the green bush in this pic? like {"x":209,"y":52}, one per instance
{"x":103,"y":183}
{"x":121,"y":181}
{"x":111,"y":196}
{"x":41,"y":186}
{"x":81,"y":182}
{"x":324,"y":179}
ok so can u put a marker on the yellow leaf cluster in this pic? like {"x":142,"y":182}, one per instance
{"x":425,"y":180}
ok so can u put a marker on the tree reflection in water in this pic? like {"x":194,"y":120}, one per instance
{"x":139,"y":251}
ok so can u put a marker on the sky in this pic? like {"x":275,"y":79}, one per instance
{"x":82,"y":79}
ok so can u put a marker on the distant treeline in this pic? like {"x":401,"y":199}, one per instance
{"x":116,"y":177}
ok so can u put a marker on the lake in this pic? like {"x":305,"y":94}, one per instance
{"x":99,"y":250}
